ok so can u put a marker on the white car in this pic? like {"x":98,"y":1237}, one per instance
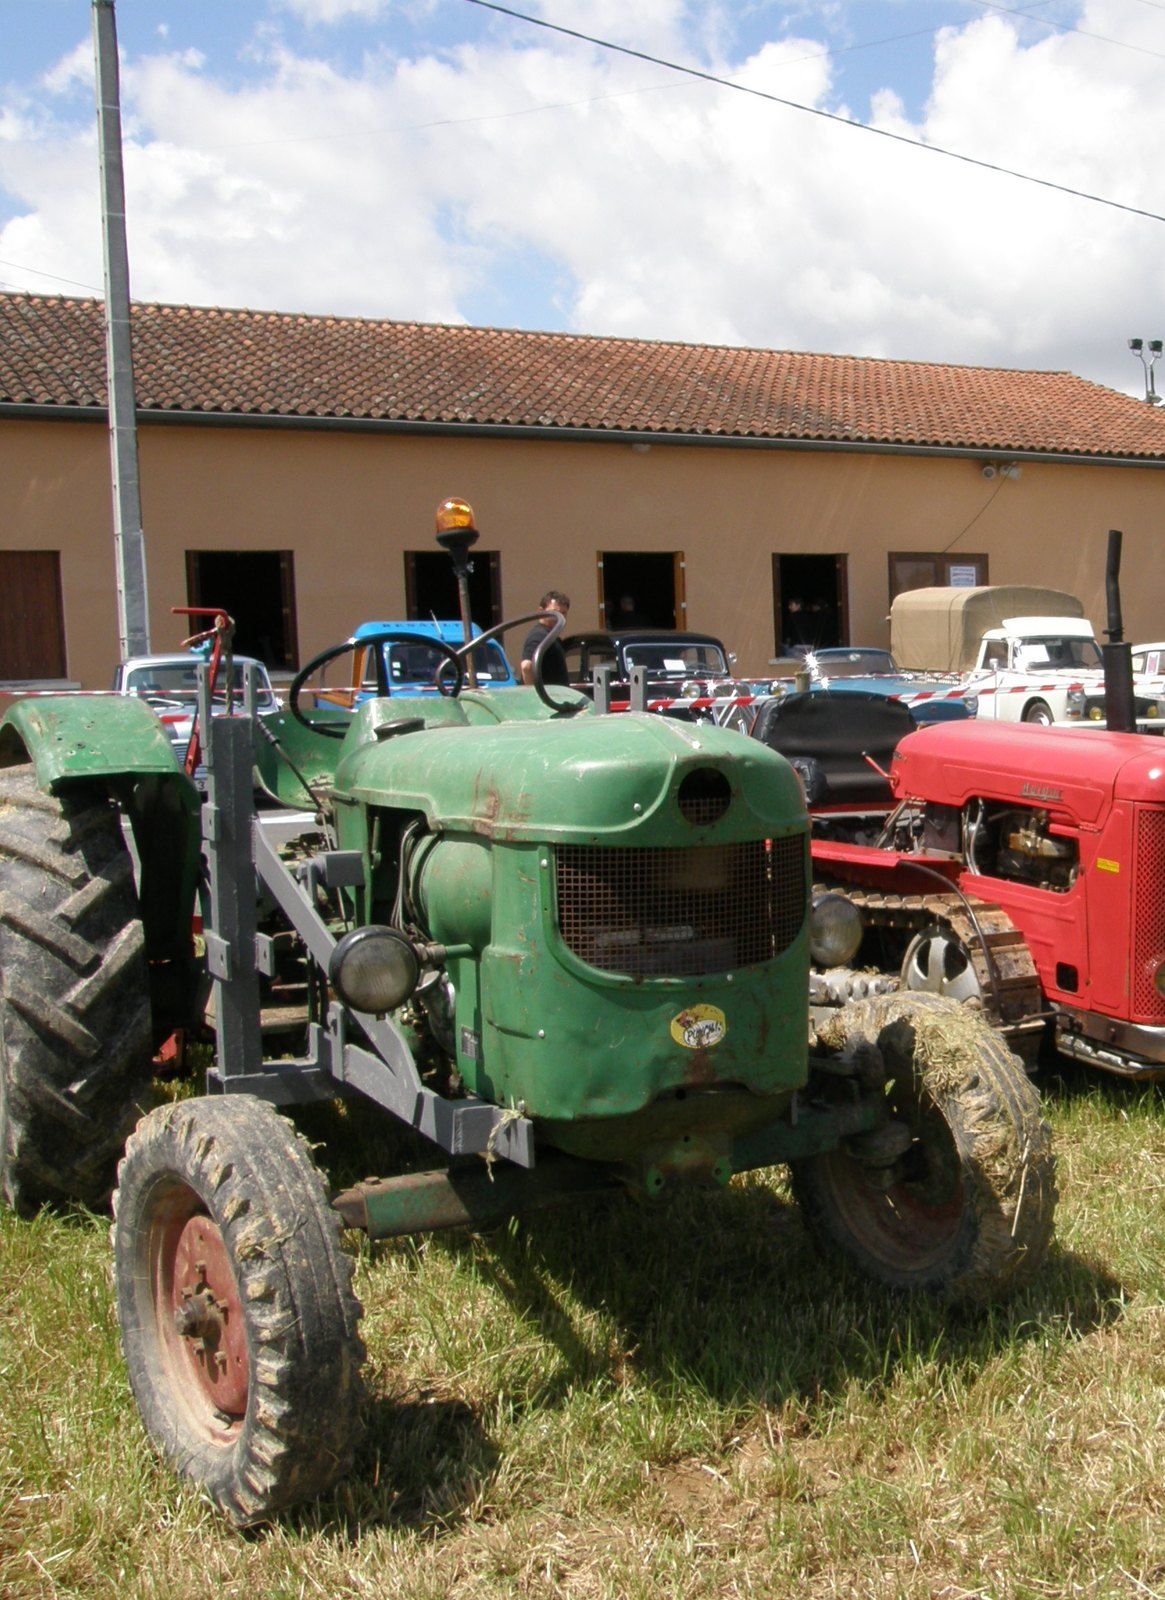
{"x":169,"y":685}
{"x":1149,"y":660}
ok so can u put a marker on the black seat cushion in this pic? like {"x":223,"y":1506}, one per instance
{"x":836,"y":729}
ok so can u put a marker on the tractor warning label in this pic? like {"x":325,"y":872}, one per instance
{"x":699,"y":1027}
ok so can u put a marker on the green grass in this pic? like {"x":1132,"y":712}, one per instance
{"x":629,"y":1401}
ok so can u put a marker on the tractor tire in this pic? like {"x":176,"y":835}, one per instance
{"x":240,"y":1328}
{"x":75,"y":1036}
{"x":966,"y":1211}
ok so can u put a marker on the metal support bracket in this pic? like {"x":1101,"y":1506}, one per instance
{"x":238,"y":852}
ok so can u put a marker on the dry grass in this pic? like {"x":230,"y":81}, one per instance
{"x":631,"y":1402}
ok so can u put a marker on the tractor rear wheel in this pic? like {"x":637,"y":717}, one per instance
{"x":238,"y":1320}
{"x":75,"y":1039}
{"x":965,"y":1208}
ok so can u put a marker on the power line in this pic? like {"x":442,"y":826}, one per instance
{"x":1066,"y":27}
{"x":20,"y":267}
{"x":816,"y":111}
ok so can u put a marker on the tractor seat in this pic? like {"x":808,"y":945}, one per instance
{"x":826,"y":734}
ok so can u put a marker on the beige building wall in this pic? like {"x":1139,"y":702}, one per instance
{"x":350,"y":504}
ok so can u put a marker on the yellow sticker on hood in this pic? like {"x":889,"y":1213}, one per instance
{"x":699,"y":1027}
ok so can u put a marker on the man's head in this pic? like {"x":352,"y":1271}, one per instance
{"x":555,"y":600}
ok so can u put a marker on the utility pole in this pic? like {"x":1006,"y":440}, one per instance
{"x":133,"y":611}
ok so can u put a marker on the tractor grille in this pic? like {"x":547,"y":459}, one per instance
{"x":661,"y":913}
{"x":1148,"y":916}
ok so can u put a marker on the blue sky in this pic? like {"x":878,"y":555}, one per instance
{"x":431,"y":159}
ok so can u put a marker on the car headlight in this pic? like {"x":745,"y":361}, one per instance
{"x":1075,"y":703}
{"x":374,"y":969}
{"x":835,"y":930}
{"x":972,"y":704}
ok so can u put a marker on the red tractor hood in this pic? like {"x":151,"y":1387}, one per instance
{"x":1078,"y":770}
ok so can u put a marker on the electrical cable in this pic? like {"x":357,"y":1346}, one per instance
{"x":816,"y":111}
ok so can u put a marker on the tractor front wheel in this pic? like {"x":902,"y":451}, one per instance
{"x":238,"y":1320}
{"x":962,"y":1204}
{"x":75,"y":1034}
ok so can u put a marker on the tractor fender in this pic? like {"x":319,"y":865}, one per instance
{"x":78,"y":736}
{"x":116,"y":742}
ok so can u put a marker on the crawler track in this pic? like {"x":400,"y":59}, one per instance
{"x":998,"y":952}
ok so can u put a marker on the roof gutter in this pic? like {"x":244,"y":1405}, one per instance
{"x":552,"y":435}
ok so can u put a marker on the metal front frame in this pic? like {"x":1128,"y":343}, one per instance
{"x":240,"y":858}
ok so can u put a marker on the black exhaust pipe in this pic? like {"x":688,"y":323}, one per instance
{"x":1119,"y":701}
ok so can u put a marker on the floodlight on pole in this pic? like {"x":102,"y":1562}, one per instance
{"x":1148,"y":351}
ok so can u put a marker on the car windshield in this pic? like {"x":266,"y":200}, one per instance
{"x":674,"y":658}
{"x":418,"y":663}
{"x":855,"y":663}
{"x":178,"y":680}
{"x":1059,"y":652}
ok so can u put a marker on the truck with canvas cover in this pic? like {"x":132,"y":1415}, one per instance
{"x":569,"y":950}
{"x":1027,"y":654}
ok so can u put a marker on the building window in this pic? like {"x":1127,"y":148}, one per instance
{"x":810,"y":602}
{"x":641,"y":589}
{"x":257,"y":589}
{"x":431,"y":587}
{"x":916,"y":569}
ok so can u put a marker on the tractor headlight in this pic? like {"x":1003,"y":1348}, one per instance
{"x":835,"y":930}
{"x":374,"y":969}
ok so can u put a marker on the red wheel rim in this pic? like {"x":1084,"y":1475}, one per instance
{"x":199,"y":1316}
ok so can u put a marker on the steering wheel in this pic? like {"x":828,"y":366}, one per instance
{"x":380,"y":637}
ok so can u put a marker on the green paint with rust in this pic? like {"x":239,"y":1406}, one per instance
{"x":591,"y":1055}
{"x":117,"y":743}
{"x":75,"y":736}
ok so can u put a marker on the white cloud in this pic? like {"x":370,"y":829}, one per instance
{"x":415,"y":185}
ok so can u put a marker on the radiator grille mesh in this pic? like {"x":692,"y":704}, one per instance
{"x":1148,"y":916}
{"x":662,"y":912}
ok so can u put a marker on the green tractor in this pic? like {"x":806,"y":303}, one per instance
{"x":569,"y":949}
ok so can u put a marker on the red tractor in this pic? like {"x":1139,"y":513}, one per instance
{"x":1022,"y":871}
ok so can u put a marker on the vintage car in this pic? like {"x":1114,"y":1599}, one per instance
{"x":872,"y":671}
{"x":670,"y":658}
{"x":169,"y":685}
{"x":396,"y":657}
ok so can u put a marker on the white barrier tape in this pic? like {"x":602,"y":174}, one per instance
{"x":1028,"y":688}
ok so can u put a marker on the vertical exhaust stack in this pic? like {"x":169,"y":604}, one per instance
{"x":1120,"y":706}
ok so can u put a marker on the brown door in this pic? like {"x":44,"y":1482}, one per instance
{"x":32,"y":618}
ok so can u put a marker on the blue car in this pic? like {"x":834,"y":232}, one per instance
{"x":409,"y":666}
{"x":929,"y":698}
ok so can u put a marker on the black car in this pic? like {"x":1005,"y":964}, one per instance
{"x":671,"y":658}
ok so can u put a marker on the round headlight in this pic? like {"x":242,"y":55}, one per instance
{"x":835,"y":930}
{"x":374,"y":969}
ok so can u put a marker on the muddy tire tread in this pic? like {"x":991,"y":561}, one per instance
{"x":259,"y":1182}
{"x":1004,"y":1143}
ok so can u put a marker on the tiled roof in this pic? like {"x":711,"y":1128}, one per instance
{"x":251,"y":363}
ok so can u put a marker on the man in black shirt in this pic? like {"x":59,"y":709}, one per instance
{"x":554,"y":658}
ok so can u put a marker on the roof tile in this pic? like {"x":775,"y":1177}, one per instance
{"x":211,"y":360}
